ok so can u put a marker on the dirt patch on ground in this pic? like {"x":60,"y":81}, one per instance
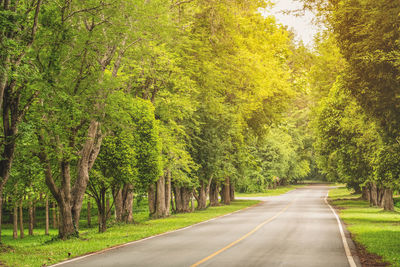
{"x":335,"y":207}
{"x":368,"y":259}
{"x":338,"y":208}
{"x":348,"y":198}
{"x":5,"y":249}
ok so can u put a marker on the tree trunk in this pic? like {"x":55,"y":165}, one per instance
{"x":151,"y":196}
{"x":34,"y":213}
{"x":117,"y":194}
{"x":108,"y":207}
{"x":89,"y":152}
{"x":173,"y":206}
{"x":102,"y":223}
{"x":168,"y":193}
{"x":127,"y":203}
{"x":366,"y":193}
{"x":202,"y":194}
{"x":58,"y":217}
{"x":47,"y":216}
{"x":380,"y":196}
{"x":89,"y":213}
{"x":202,"y":198}
{"x":21,"y":220}
{"x":213,"y":194}
{"x":8,"y":202}
{"x":102,"y":208}
{"x":182,"y":199}
{"x":186,"y":197}
{"x":160,"y":198}
{"x":232,"y":191}
{"x":227,"y":192}
{"x":54,"y":215}
{"x":222,"y":192}
{"x":178,"y":199}
{"x":123,"y":202}
{"x":1,"y":209}
{"x":387,"y":200}
{"x":66,"y":227}
{"x":15,"y":221}
{"x":62,"y":194}
{"x":30,"y":212}
{"x":374,"y":195}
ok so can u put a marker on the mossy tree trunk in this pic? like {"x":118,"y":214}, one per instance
{"x":89,"y":213}
{"x":159,"y":196}
{"x":46,"y":230}
{"x":387,"y":200}
{"x":31,"y":219}
{"x":21,"y":220}
{"x":213,"y":194}
{"x":15,"y":221}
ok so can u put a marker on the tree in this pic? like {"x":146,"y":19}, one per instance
{"x":81,"y":57}
{"x":19,"y":77}
{"x":114,"y":166}
{"x":367,"y":35}
{"x":351,"y":149}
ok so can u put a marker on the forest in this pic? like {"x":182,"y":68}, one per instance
{"x":184,"y":103}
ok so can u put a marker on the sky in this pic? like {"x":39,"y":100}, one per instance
{"x":303,"y":26}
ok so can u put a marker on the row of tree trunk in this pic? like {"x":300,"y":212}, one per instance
{"x":226,"y":191}
{"x":378,"y":196}
{"x":18,"y":218}
{"x":159,"y":196}
{"x":123,"y":212}
{"x":164,"y":196}
{"x":123,"y":202}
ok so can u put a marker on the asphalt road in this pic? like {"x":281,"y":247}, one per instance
{"x":294,"y":229}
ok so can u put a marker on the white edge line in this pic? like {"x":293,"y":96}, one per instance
{"x":345,"y":244}
{"x":150,"y":237}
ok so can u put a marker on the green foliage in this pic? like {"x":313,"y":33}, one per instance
{"x":369,"y":42}
{"x":346,"y":139}
{"x":357,"y":119}
{"x":130,"y":153}
{"x":276,"y":159}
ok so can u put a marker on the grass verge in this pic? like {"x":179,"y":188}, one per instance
{"x":376,"y":230}
{"x":272,"y":192}
{"x":40,"y":250}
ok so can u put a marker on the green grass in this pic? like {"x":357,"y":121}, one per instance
{"x":377,"y":230}
{"x":39,"y":250}
{"x":272,"y":192}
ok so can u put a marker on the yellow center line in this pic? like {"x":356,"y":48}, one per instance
{"x":243,"y":237}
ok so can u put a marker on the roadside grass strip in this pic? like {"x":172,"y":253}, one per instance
{"x":377,"y":230}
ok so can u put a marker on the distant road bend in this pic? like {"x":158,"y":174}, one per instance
{"x":295,"y":229}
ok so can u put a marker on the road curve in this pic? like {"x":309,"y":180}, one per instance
{"x":294,"y":229}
